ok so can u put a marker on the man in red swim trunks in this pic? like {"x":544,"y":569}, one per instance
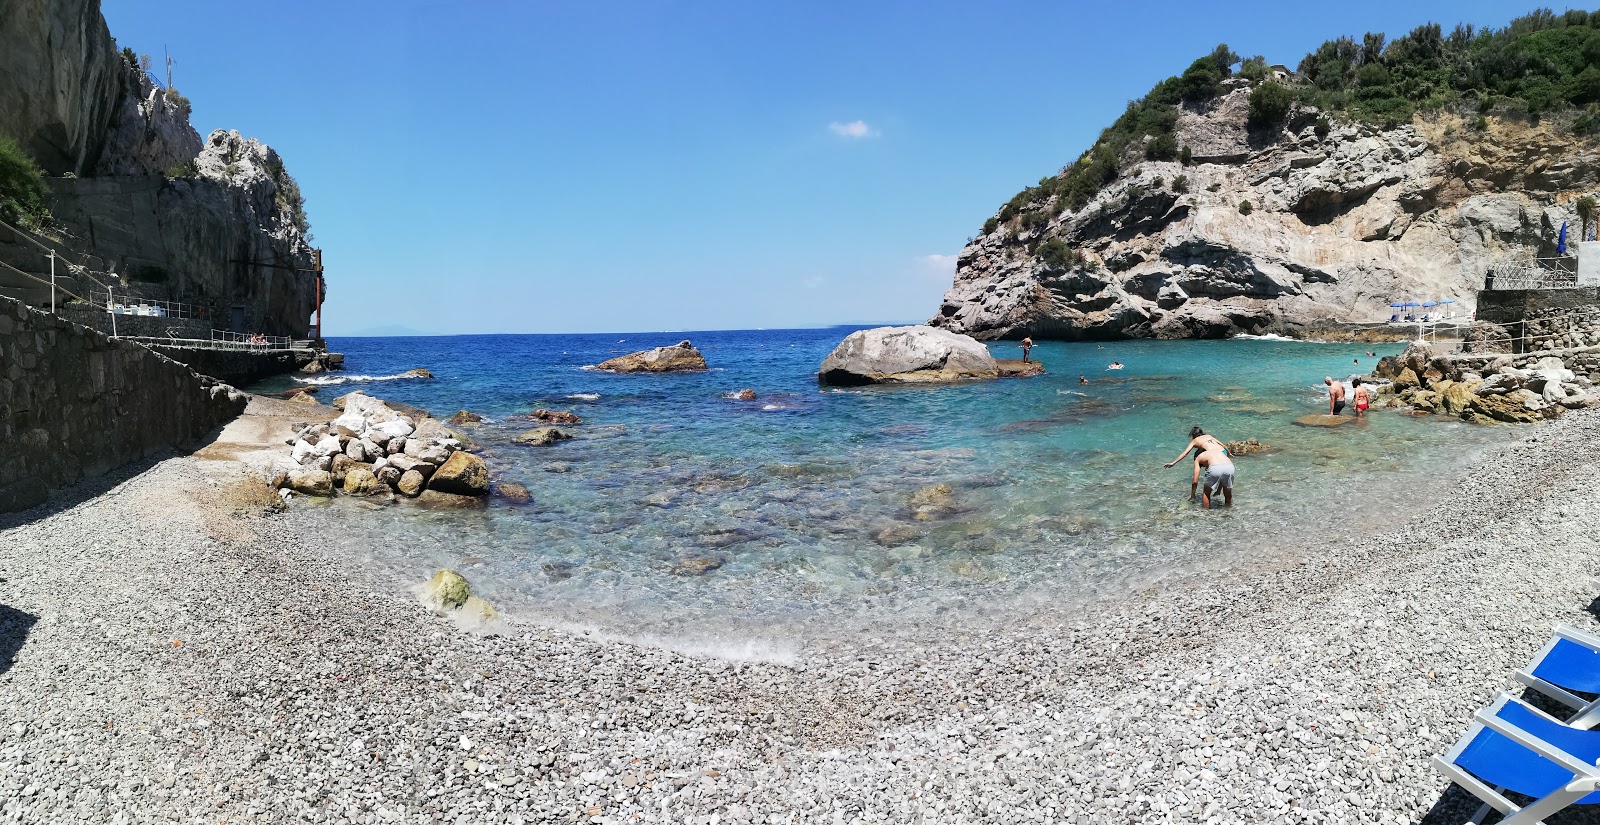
{"x":1363,"y":397}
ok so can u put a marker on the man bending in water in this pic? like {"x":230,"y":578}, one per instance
{"x":1335,"y":395}
{"x":1199,"y":442}
{"x":1218,"y":470}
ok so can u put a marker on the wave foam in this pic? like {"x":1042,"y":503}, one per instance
{"x":585,"y":396}
{"x":333,"y":380}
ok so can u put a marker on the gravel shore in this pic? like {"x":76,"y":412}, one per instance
{"x":180,"y":654}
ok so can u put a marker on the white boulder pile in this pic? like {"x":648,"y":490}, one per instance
{"x":1505,"y":388}
{"x":374,"y":449}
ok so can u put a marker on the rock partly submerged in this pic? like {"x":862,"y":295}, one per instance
{"x":680,"y":357}
{"x":907,"y":355}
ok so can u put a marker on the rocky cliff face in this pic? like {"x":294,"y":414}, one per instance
{"x":1341,"y":220}
{"x":218,"y":223}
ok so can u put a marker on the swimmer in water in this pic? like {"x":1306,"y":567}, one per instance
{"x":1082,"y":380}
{"x":1199,"y":442}
{"x":1115,"y":365}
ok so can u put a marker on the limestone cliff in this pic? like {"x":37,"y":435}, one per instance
{"x":216,"y":223}
{"x":1342,"y":218}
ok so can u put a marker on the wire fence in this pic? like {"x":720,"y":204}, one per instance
{"x":80,"y":269}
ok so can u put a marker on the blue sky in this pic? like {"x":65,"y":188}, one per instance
{"x":568,"y":167}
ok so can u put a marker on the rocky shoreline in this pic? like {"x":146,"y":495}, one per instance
{"x":175,"y":649}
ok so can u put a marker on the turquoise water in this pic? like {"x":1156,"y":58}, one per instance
{"x":798,"y":507}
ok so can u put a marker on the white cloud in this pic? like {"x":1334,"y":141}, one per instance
{"x":854,"y":130}
{"x":942,"y":266}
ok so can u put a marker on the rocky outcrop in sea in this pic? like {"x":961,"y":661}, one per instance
{"x":1292,"y":228}
{"x":902,"y":355}
{"x":680,"y":357}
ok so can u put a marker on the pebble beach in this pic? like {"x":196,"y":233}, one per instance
{"x":174,"y":649}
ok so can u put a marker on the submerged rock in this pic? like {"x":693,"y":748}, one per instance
{"x":906,"y":355}
{"x":419,"y":372}
{"x":435,"y":500}
{"x":933,"y":502}
{"x":1248,"y":447}
{"x":746,"y":394}
{"x":680,"y":357}
{"x":554,"y":417}
{"x":698,"y":566}
{"x":465,"y":417}
{"x":1322,"y":420}
{"x":541,"y":436}
{"x":513,"y":492}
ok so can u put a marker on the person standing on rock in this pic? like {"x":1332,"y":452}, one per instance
{"x":1027,"y":344}
{"x":1218,"y":470}
{"x":1363,"y":397}
{"x":1335,"y":395}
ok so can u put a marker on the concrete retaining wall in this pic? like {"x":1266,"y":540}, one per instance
{"x":75,"y":403}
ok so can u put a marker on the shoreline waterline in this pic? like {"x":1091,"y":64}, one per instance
{"x":679,"y":511}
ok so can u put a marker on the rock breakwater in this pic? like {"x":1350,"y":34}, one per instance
{"x":373,"y":449}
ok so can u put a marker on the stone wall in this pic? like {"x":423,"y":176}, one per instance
{"x":1544,"y":319}
{"x":75,"y":403}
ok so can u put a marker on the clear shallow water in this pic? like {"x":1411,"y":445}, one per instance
{"x":801,"y":502}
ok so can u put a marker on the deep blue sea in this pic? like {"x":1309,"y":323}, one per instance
{"x":799,"y":502}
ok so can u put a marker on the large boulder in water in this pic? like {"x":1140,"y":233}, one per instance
{"x":463,"y":474}
{"x":889,"y":355}
{"x":680,"y":357}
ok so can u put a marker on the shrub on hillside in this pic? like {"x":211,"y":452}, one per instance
{"x":1180,"y":184}
{"x":21,"y":187}
{"x":1269,"y":105}
{"x":1245,"y":208}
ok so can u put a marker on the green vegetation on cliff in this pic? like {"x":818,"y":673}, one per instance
{"x":21,"y":187}
{"x":1538,"y":63}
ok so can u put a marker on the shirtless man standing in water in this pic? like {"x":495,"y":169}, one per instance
{"x":1218,"y":470}
{"x":1335,"y":395}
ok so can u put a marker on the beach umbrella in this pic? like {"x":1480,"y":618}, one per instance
{"x":1409,"y":304}
{"x":1448,"y":301}
{"x":1561,"y":242}
{"x":1397,"y":305}
{"x":1426,"y":304}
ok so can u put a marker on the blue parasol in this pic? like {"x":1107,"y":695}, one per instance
{"x":1448,"y":301}
{"x":1426,"y":304}
{"x":1411,"y":304}
{"x":1398,"y":305}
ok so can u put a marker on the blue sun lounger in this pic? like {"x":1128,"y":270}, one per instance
{"x":1570,"y":662}
{"x":1513,"y":747}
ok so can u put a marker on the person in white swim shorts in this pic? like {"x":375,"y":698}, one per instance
{"x":1218,"y":471}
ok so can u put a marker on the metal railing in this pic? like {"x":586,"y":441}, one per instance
{"x":220,"y":340}
{"x":149,"y":308}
